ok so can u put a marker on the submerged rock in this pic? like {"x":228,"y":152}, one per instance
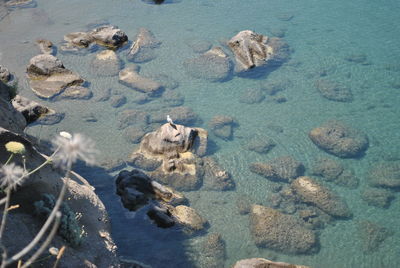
{"x":273,"y":87}
{"x":251,"y":96}
{"x":213,"y":251}
{"x":216,"y":178}
{"x":372,"y":235}
{"x":130,"y":77}
{"x":264,"y":263}
{"x":385,"y":174}
{"x":48,"y":77}
{"x":189,"y":218}
{"x":132,"y":117}
{"x":380,"y":198}
{"x":333,"y":91}
{"x":109,"y":36}
{"x":252,"y":50}
{"x":143,"y":47}
{"x":280,"y":232}
{"x":284,"y":169}
{"x":325,"y":199}
{"x":75,"y":93}
{"x":214,"y":65}
{"x":45,"y":46}
{"x":106,"y":63}
{"x":222,"y":126}
{"x":172,"y":98}
{"x":339,"y":139}
{"x":261,"y":145}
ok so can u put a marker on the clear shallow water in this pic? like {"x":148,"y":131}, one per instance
{"x":322,"y":34}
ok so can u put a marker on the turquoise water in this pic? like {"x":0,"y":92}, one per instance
{"x":321,"y":33}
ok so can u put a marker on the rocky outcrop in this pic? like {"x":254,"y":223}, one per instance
{"x":96,"y":248}
{"x":280,"y":232}
{"x":143,"y":47}
{"x":10,"y":118}
{"x":281,"y":169}
{"x":130,"y":77}
{"x":252,"y":50}
{"x":222,"y":126}
{"x":175,"y":146}
{"x":264,"y":263}
{"x":385,"y":174}
{"x":333,"y":91}
{"x":106,"y":63}
{"x":48,"y":77}
{"x":339,"y":139}
{"x":214,"y":65}
{"x":309,"y":191}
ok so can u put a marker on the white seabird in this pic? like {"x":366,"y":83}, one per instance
{"x":169,"y":120}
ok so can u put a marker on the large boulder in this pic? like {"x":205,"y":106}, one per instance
{"x":48,"y":77}
{"x":143,"y":47}
{"x":214,"y":65}
{"x":280,"y":232}
{"x":252,"y":50}
{"x":130,"y":77}
{"x":264,"y":263}
{"x":175,"y":146}
{"x":339,"y":139}
{"x":281,"y":169}
{"x":309,"y":191}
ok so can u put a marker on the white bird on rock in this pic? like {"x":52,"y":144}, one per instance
{"x":169,"y":120}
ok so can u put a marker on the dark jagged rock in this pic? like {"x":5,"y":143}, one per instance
{"x":380,"y":198}
{"x":10,"y":118}
{"x":31,"y":110}
{"x":283,"y":169}
{"x":385,"y":174}
{"x":252,"y":50}
{"x":339,"y":139}
{"x":5,"y":74}
{"x":143,"y":47}
{"x":48,"y":77}
{"x":280,"y":232}
{"x":222,"y":126}
{"x":214,"y":65}
{"x":309,"y":191}
{"x":333,"y":91}
{"x":130,"y":77}
{"x":137,"y":189}
{"x":372,"y":235}
{"x":216,"y":178}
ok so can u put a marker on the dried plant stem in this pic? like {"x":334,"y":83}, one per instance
{"x":5,"y":213}
{"x":46,"y":242}
{"x":59,"y":256}
{"x":45,"y":226}
{"x":9,"y":159}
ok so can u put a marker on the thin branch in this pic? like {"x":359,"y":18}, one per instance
{"x":45,"y":226}
{"x":46,"y":242}
{"x":5,"y":213}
